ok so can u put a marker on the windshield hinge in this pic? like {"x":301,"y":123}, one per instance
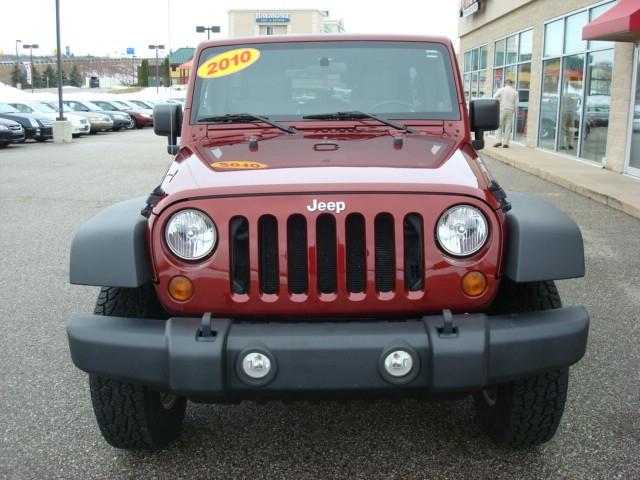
{"x":152,"y":199}
{"x":501,"y":195}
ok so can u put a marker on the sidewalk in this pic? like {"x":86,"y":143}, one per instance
{"x":604,"y":186}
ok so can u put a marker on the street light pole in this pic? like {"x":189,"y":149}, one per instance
{"x":209,"y":30}
{"x":17,"y":61}
{"x":60,"y":105}
{"x":157,"y":47}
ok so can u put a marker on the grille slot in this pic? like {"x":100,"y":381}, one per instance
{"x":268,"y":254}
{"x":385,"y":254}
{"x":297,"y":254}
{"x":239,"y":253}
{"x":413,"y":252}
{"x":326,"y":252}
{"x":356,"y":250}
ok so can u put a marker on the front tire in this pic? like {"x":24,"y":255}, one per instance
{"x":129,"y":415}
{"x":134,"y":417}
{"x":527,"y":411}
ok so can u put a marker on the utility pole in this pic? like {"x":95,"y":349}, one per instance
{"x":31,"y":47}
{"x":156,"y":48}
{"x":209,"y":30}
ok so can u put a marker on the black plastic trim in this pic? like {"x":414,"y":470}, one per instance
{"x":543,"y":242}
{"x":315,"y":356}
{"x":110,"y":249}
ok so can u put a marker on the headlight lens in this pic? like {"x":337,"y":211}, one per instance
{"x":2,"y":127}
{"x":33,"y":122}
{"x":190,"y":234}
{"x":462,"y":230}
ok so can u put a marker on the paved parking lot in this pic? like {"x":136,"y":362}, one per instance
{"x":48,"y":428}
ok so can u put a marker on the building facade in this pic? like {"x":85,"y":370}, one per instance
{"x":578,"y":98}
{"x":249,"y":23}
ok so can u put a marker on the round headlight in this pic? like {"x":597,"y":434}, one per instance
{"x":190,"y":234}
{"x":462,"y":230}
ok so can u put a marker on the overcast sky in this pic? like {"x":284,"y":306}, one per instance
{"x":109,"y":27}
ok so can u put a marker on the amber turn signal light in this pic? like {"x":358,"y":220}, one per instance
{"x":180,"y":288}
{"x":474,"y":283}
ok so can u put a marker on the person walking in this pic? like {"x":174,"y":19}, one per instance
{"x":508,"y":97}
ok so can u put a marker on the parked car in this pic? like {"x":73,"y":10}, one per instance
{"x":120,"y":120}
{"x":139,"y":118}
{"x":79,"y":124}
{"x":143,"y":104}
{"x":10,"y":132}
{"x":36,"y":126}
{"x":346,"y":253}
{"x":98,"y":122}
{"x":126,"y":104}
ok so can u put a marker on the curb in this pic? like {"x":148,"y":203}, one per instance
{"x":598,"y":196}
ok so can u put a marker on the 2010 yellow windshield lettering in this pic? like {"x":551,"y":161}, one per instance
{"x":229,"y":62}
{"x":239,"y":165}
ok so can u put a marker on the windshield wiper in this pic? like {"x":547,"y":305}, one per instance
{"x":355,"y":114}
{"x":243,"y":117}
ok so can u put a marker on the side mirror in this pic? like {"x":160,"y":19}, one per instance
{"x":484,"y":114}
{"x":167,"y":122}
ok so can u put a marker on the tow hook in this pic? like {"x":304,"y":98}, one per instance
{"x":448,"y":329}
{"x":206,"y":333}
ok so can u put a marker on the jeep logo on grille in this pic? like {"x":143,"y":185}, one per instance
{"x":317,"y":206}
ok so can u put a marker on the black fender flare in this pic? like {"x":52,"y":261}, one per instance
{"x":110,"y":249}
{"x":543,"y":242}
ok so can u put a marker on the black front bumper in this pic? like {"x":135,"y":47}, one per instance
{"x":324,"y":357}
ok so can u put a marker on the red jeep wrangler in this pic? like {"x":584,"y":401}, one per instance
{"x":327,"y":229}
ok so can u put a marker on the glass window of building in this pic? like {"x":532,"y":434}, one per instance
{"x":475,"y":72}
{"x":576,"y":88}
{"x":633,"y":166}
{"x":513,"y":62}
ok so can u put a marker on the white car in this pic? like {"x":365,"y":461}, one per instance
{"x":79,"y":125}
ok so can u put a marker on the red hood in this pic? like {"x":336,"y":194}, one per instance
{"x":324,"y":162}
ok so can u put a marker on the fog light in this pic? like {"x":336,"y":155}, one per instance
{"x":256,"y":365}
{"x":474,"y":283}
{"x":398,"y":363}
{"x":180,"y":288}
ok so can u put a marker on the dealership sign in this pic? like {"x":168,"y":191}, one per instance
{"x":272,"y":17}
{"x":469,"y":7}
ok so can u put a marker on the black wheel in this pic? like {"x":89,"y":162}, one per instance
{"x":132,"y":416}
{"x":527,"y":411}
{"x":4,"y":145}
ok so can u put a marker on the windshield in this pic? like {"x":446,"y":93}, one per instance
{"x":4,"y":108}
{"x":121,"y":104}
{"x":285,"y":81}
{"x":140,"y":103}
{"x":43,"y":108}
{"x":51,"y":105}
{"x":105,"y":106}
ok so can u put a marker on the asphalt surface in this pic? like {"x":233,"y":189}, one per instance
{"x":47,"y":424}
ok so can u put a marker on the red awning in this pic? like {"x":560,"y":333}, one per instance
{"x":186,"y":64}
{"x":620,"y":23}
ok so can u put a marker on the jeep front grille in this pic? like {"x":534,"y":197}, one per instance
{"x":336,"y":255}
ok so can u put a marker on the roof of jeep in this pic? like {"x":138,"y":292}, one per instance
{"x":323,"y":37}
